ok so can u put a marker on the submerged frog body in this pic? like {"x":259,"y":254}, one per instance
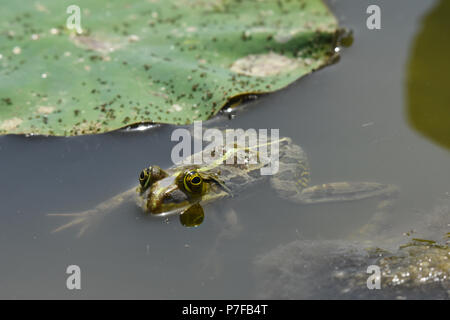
{"x":233,"y":168}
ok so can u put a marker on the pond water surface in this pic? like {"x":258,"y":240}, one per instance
{"x":353,"y":120}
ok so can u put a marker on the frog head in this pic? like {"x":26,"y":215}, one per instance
{"x":180,"y":191}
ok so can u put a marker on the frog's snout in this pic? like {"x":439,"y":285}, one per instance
{"x":154,"y":202}
{"x":152,"y":205}
{"x":163,"y":199}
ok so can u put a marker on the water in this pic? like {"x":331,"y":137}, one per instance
{"x":351,"y":119}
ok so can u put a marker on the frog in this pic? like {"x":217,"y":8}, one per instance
{"x":185,"y":188}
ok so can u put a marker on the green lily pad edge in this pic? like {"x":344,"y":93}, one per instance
{"x":148,"y":62}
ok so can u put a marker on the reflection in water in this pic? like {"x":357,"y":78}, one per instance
{"x":428,"y":95}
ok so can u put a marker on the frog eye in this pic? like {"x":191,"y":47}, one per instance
{"x":144,"y":177}
{"x":196,"y":180}
{"x":193,"y":182}
{"x":150,"y":175}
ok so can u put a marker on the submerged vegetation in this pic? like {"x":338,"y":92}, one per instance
{"x":410,"y":267}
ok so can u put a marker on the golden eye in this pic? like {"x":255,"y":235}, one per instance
{"x":193,"y":182}
{"x":149,"y":176}
{"x":144,"y":176}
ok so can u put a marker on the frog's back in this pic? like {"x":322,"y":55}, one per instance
{"x":240,"y":166}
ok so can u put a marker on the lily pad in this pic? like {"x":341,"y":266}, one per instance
{"x":150,"y":61}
